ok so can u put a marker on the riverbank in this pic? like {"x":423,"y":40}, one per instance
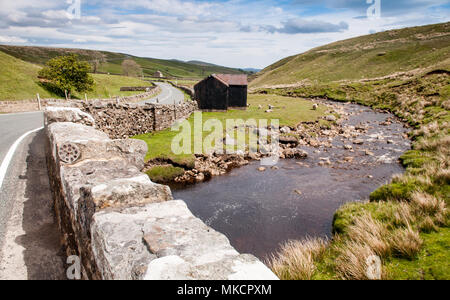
{"x":259,"y":210}
{"x":406,"y":223}
{"x":298,"y":119}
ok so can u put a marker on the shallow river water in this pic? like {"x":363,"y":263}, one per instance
{"x":258,"y":211}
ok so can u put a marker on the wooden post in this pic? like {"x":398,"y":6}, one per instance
{"x":39,"y":101}
{"x":65,"y":92}
{"x":85,"y":97}
{"x":175,"y":109}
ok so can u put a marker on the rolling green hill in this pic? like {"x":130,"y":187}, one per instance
{"x":406,"y":72}
{"x":368,"y":56}
{"x":18,"y":80}
{"x":110,"y":62}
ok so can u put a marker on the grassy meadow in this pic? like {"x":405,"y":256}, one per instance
{"x":19,"y":81}
{"x":289,"y":111}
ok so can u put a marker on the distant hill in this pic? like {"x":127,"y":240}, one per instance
{"x":19,"y":81}
{"x":251,"y":70}
{"x":110,"y":62}
{"x":370,"y":56}
{"x":201,"y":63}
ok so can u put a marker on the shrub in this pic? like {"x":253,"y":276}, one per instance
{"x":68,"y":73}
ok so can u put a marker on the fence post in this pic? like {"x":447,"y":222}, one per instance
{"x":175,"y":108}
{"x":85,"y":97}
{"x":39,"y":101}
{"x":65,"y":92}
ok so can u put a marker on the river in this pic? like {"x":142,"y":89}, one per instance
{"x":258,"y":211}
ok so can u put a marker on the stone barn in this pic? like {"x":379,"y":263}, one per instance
{"x":222,"y":91}
{"x":158,"y":74}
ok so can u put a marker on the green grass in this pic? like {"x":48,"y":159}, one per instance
{"x":358,"y":58}
{"x":432,"y":263}
{"x":289,"y":111}
{"x":164,"y":174}
{"x":109,"y":85}
{"x":19,"y":81}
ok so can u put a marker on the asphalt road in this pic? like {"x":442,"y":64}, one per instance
{"x":29,"y":237}
{"x":12,"y":126}
{"x":168,"y":95}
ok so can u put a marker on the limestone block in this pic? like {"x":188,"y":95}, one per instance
{"x":179,"y":245}
{"x":67,"y":114}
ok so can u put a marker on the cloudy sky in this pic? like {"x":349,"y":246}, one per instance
{"x":235,"y":33}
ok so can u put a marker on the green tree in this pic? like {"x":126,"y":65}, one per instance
{"x":68,"y":73}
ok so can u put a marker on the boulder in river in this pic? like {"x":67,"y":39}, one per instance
{"x":330,"y":118}
{"x":288,"y":140}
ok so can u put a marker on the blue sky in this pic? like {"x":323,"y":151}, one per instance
{"x":236,"y":33}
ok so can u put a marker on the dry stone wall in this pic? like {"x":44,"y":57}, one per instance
{"x":185,"y":89}
{"x":33,"y":105}
{"x":122,"y":225}
{"x":122,"y":120}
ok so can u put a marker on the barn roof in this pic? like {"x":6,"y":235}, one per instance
{"x":231,"y":79}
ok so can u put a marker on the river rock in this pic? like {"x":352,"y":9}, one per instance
{"x":285,"y":129}
{"x":288,"y":140}
{"x":200,"y":177}
{"x":368,"y":153}
{"x":330,"y":118}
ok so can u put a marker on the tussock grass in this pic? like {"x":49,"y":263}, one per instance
{"x":352,"y":261}
{"x":295,"y":261}
{"x":427,"y":225}
{"x":406,"y":242}
{"x":403,"y":216}
{"x":427,"y":205}
{"x":373,"y":233}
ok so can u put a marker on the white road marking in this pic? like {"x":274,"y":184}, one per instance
{"x":7,"y":160}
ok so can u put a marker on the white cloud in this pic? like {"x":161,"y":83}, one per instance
{"x":12,"y":40}
{"x":226,"y":32}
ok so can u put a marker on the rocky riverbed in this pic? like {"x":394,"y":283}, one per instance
{"x":260,"y":207}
